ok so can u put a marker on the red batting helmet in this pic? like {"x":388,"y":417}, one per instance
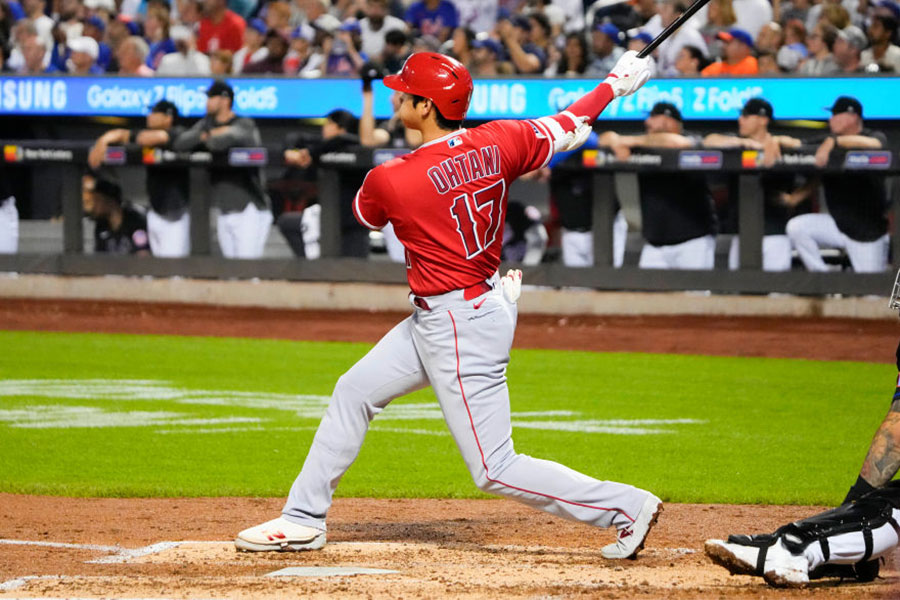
{"x":441,"y":79}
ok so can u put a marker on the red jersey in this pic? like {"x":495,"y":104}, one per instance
{"x":447,"y":200}
{"x":227,"y":34}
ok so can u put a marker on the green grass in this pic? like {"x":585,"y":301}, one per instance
{"x":769,"y":431}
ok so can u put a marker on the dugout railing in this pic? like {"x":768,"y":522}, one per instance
{"x":71,"y":158}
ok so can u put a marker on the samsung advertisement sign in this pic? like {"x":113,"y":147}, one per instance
{"x":709,"y":99}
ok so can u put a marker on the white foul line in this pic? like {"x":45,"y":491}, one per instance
{"x":61,"y":545}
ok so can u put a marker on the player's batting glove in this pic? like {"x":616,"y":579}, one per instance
{"x":629,"y":74}
{"x":511,"y":285}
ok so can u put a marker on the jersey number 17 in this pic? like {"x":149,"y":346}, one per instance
{"x":478,"y":217}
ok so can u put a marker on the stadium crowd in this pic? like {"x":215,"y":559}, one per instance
{"x":313,"y":38}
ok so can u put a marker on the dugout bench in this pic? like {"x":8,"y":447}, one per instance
{"x":71,"y":158}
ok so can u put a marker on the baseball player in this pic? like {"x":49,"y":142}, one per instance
{"x":168,"y":188}
{"x":677,"y":213}
{"x":447,"y":202}
{"x":753,"y":134}
{"x":9,"y":216}
{"x":240,"y":193}
{"x":857,"y":202}
{"x":119,"y":227}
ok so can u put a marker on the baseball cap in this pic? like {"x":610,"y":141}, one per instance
{"x":109,"y":189}
{"x":666,"y":108}
{"x":258,"y":25}
{"x":854,"y":36}
{"x":609,"y":29}
{"x":165,"y":107}
{"x":96,"y":21}
{"x":643,"y":36}
{"x":180,"y":32}
{"x":890,"y":6}
{"x":489,"y":43}
{"x":350,"y":25}
{"x":85,"y":44}
{"x":736,"y":34}
{"x":521,"y":21}
{"x":759,"y":107}
{"x":303,"y":31}
{"x":846,"y":104}
{"x":220,"y":88}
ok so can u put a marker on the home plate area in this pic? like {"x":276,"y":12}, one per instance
{"x":389,"y":570}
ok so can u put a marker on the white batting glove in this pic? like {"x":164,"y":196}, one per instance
{"x":577,"y":138}
{"x":511,"y":285}
{"x":629,"y":74}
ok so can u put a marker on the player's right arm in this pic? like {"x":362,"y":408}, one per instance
{"x":191,"y":138}
{"x":371,"y":199}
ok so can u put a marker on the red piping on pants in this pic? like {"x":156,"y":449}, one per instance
{"x":480,"y":451}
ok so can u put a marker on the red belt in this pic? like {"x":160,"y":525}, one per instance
{"x":469,"y":293}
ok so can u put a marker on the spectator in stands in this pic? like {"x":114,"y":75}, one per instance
{"x":883,"y":53}
{"x":345,"y":57}
{"x":753,"y":134}
{"x":606,"y":49}
{"x":678,"y":217}
{"x":35,"y":11}
{"x":574,"y":58}
{"x":301,"y":230}
{"x":857,"y":202}
{"x":119,"y":228}
{"x":35,"y":57}
{"x":277,"y":46}
{"x":71,"y":17}
{"x":83,"y":57}
{"x":540,"y":35}
{"x":794,"y":50}
{"x":719,"y":17}
{"x":686,"y":35}
{"x":132,"y":56}
{"x":461,"y":45}
{"x":835,"y":14}
{"x":156,"y":29}
{"x":738,"y":60}
{"x":639,"y":41}
{"x":22,"y":31}
{"x":820,"y":44}
{"x":768,"y":64}
{"x":396,"y":49}
{"x":300,"y":58}
{"x":187,"y":61}
{"x":239,"y":193}
{"x":770,"y":38}
{"x":254,"y":49}
{"x":480,"y":16}
{"x":437,"y":18}
{"x":221,"y":63}
{"x":168,"y":187}
{"x":190,"y":12}
{"x":752,"y":15}
{"x":278,"y":17}
{"x":795,"y":9}
{"x":848,"y":49}
{"x":526,"y":56}
{"x":690,"y":61}
{"x":376,"y":25}
{"x":487,"y":60}
{"x":95,"y":27}
{"x":220,"y":28}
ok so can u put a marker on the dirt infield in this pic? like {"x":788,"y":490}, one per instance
{"x":155,"y":548}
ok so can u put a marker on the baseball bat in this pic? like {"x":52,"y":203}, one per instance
{"x":665,"y":33}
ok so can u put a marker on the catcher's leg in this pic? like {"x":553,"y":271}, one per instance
{"x":851,"y":536}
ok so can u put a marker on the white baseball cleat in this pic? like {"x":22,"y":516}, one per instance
{"x":279,"y":535}
{"x":785,"y":569}
{"x":778,"y":566}
{"x":630,"y":539}
{"x":738,"y":559}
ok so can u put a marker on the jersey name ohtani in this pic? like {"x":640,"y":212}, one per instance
{"x":465,"y":168}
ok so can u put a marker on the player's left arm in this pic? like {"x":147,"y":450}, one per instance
{"x":240,"y":133}
{"x":569,"y":129}
{"x":152,"y":137}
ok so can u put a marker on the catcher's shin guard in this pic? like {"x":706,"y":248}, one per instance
{"x":850,"y":537}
